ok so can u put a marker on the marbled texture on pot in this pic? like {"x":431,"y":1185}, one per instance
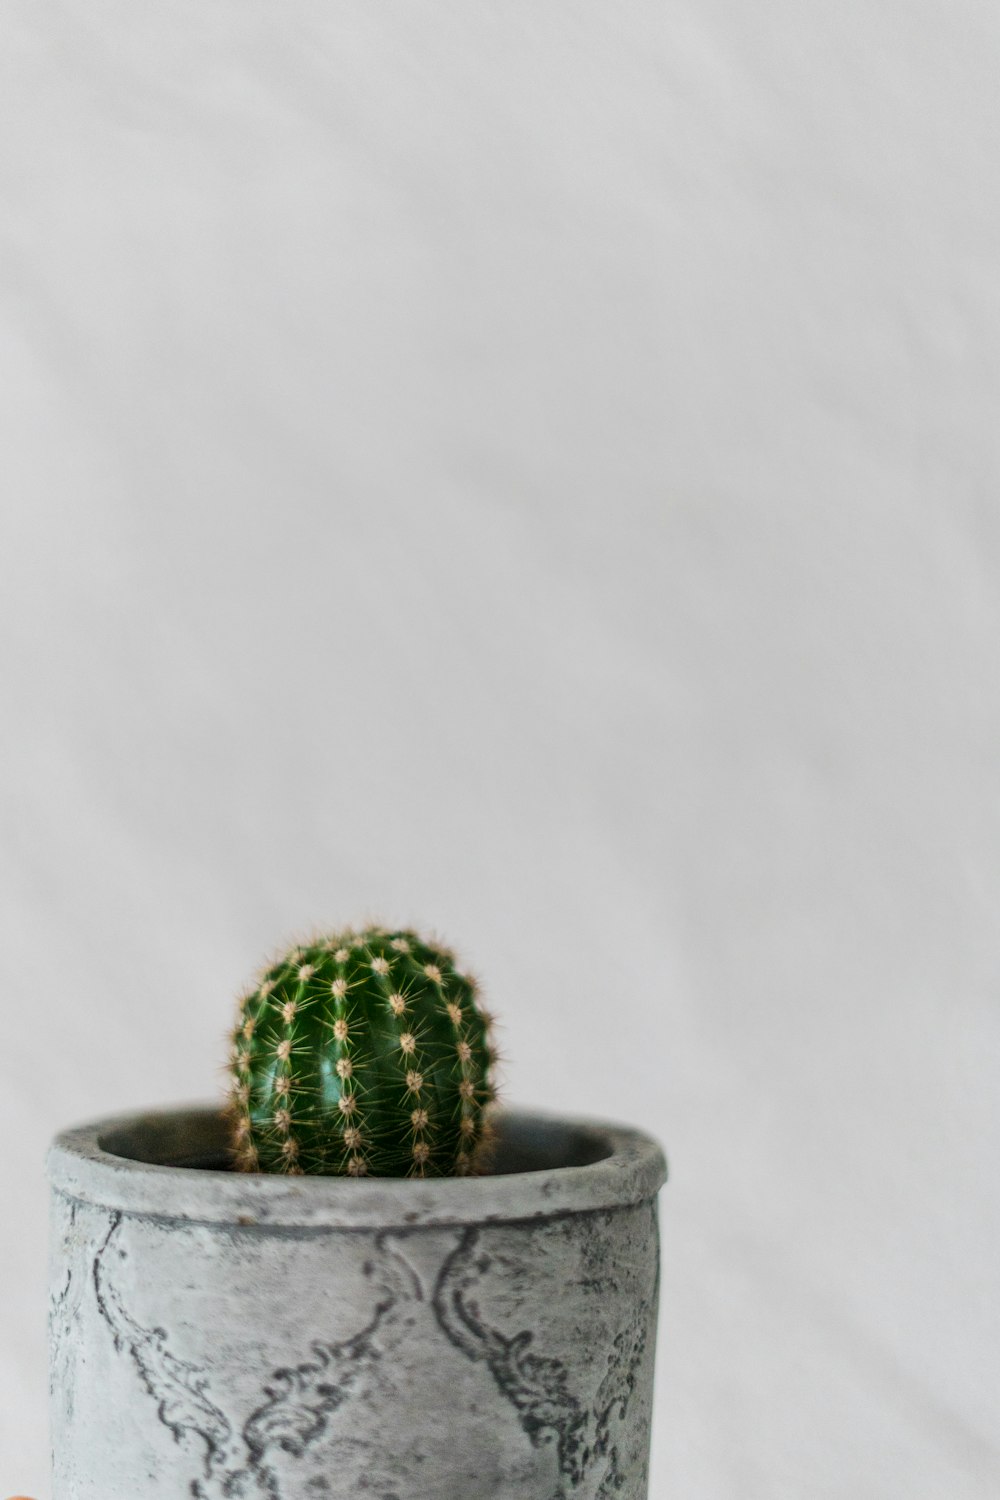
{"x":221,"y":1335}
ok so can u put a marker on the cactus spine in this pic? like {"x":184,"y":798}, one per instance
{"x":362,"y":1054}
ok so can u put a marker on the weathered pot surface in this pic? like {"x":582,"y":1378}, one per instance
{"x":225,"y":1335}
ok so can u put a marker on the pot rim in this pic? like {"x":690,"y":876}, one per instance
{"x":627,"y":1166}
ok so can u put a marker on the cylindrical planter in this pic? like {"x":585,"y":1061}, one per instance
{"x":219,"y":1335}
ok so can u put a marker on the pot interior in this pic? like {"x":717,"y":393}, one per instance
{"x":197,"y":1138}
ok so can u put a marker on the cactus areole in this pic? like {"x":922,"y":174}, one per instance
{"x":362,"y":1054}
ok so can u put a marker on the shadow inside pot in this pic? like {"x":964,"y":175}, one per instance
{"x":197,"y":1138}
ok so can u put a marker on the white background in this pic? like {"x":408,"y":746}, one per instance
{"x":531,"y":469}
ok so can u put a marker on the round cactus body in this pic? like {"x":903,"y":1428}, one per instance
{"x":362,"y":1054}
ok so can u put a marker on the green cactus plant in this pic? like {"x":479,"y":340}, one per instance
{"x":362,"y":1054}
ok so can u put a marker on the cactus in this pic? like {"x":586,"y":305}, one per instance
{"x":362,"y":1054}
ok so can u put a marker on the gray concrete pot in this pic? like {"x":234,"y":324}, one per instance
{"x":220,"y":1335}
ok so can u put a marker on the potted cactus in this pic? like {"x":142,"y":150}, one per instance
{"x":359,"y":1277}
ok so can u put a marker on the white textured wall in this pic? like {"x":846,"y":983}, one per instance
{"x":532,"y":469}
